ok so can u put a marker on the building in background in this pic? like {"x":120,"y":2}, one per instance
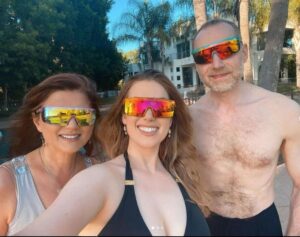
{"x":180,"y":66}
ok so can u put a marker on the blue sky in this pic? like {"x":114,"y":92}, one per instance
{"x":119,"y":7}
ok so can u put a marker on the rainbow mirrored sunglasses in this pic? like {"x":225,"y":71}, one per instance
{"x":137,"y":106}
{"x":62,"y":115}
{"x":225,"y":49}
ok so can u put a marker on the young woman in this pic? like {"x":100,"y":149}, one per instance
{"x":53,"y":125}
{"x":142,"y":190}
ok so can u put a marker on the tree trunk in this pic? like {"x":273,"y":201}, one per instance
{"x":199,"y":12}
{"x":269,"y":73}
{"x":296,"y":41}
{"x":244,"y":28}
{"x":163,"y":58}
{"x":149,"y":54}
{"x":200,"y":18}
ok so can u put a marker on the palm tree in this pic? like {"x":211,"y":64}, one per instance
{"x":269,"y":73}
{"x":148,"y":25}
{"x":200,"y":12}
{"x":163,"y":28}
{"x":138,"y":26}
{"x":244,"y":28}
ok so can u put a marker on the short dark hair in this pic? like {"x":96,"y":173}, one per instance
{"x":217,"y":22}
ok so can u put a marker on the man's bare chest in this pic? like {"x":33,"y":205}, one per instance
{"x":250,"y":140}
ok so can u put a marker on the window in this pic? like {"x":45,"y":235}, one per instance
{"x":177,"y":69}
{"x":287,"y":43}
{"x":187,"y":74}
{"x":178,"y":78}
{"x":183,"y":50}
{"x":288,"y":36}
{"x":261,"y":41}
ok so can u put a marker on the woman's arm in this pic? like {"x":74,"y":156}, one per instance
{"x":77,"y":204}
{"x":7,"y":198}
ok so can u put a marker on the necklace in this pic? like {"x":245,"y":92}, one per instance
{"x":52,"y":176}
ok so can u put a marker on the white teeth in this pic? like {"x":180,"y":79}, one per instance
{"x":70,"y":136}
{"x":148,"y":129}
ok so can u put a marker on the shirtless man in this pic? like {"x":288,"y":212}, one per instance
{"x":241,"y":130}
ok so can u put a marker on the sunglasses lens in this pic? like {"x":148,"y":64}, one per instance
{"x":61,"y":115}
{"x":202,"y":57}
{"x":224,"y":50}
{"x":137,"y":106}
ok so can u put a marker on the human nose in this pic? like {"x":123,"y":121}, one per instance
{"x":216,"y":60}
{"x":149,"y":114}
{"x":72,"y":122}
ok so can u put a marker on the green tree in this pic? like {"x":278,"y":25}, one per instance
{"x":221,"y":8}
{"x":23,"y":55}
{"x":163,"y":30}
{"x":131,"y":56}
{"x":82,"y":44}
{"x":259,"y":15}
{"x":137,"y":25}
{"x":39,"y":38}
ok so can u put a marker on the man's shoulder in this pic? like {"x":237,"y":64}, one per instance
{"x":285,"y":103}
{"x":198,"y":106}
{"x":275,"y":99}
{"x":200,"y":103}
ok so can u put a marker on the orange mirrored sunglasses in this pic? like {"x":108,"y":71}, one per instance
{"x":225,"y":49}
{"x":137,"y":106}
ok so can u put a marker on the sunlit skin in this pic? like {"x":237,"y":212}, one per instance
{"x":156,"y":191}
{"x":220,"y":75}
{"x":65,"y":139}
{"x":56,"y":161}
{"x":147,"y":132}
{"x":240,"y":131}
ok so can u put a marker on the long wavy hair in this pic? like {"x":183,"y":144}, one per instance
{"x":24,"y":137}
{"x":177,"y":153}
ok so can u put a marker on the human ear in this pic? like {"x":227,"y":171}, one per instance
{"x":36,"y":119}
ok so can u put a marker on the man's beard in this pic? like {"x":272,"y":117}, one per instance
{"x":221,"y":86}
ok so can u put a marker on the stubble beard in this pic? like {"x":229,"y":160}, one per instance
{"x":222,"y":87}
{"x":226,"y":85}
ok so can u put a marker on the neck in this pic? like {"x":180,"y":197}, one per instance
{"x":58,"y":163}
{"x":144,"y":159}
{"x":58,"y":177}
{"x":228,"y":99}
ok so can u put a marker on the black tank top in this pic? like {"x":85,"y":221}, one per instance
{"x":128,"y":221}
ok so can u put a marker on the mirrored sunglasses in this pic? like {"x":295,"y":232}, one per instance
{"x":137,"y":106}
{"x":62,"y":115}
{"x":224,"y":50}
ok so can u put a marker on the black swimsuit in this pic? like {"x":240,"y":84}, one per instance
{"x":128,"y":221}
